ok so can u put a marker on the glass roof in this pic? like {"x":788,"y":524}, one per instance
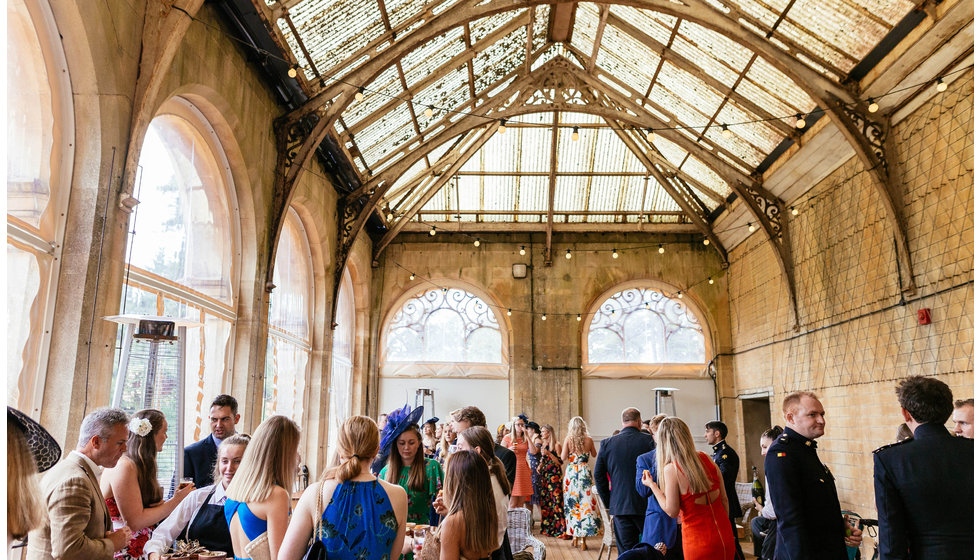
{"x":679,"y":72}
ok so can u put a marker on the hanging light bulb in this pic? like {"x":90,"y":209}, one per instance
{"x":615,"y":255}
{"x":428,"y":111}
{"x":292,"y":71}
{"x":390,"y":216}
{"x":872,"y":105}
{"x":706,"y":241}
{"x":650,"y":135}
{"x":508,"y":312}
{"x":725,"y":132}
{"x":568,"y":254}
{"x":680,"y":295}
{"x":444,"y":290}
{"x":544,"y":317}
{"x":432,"y":231}
{"x":711,"y":280}
{"x":646,"y":304}
{"x":574,"y":134}
{"x":522,"y":251}
{"x":941,"y":86}
{"x":360,"y":94}
{"x":661,"y":249}
{"x":411,"y":276}
{"x":578,"y":317}
{"x":502,"y":127}
{"x":751,"y":227}
{"x":800,"y":121}
{"x":794,"y":210}
{"x":476,"y":242}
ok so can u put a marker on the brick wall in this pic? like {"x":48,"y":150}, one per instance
{"x":856,"y":340}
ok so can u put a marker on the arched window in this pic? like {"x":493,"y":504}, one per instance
{"x":39,"y":160}
{"x":288,"y":353}
{"x":342,"y":362}
{"x":444,"y":332}
{"x":182,"y":254}
{"x":639,"y":327}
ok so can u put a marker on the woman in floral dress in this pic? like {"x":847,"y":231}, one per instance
{"x":532,"y":433}
{"x":551,"y":477}
{"x":581,"y":506}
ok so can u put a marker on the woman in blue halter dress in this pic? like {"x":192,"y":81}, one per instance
{"x":359,"y":516}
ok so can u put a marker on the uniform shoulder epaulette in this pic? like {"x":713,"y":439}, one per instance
{"x":904,"y":441}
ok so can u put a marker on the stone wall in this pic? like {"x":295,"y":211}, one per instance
{"x":858,"y":337}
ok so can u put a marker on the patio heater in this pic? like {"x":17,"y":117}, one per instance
{"x":663,"y":401}
{"x":427,"y":400}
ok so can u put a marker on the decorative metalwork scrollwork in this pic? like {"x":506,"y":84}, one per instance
{"x":871,"y":130}
{"x":293,"y":134}
{"x":438,"y":323}
{"x":770,"y":209}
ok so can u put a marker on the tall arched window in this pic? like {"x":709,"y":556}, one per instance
{"x":342,"y":362}
{"x":39,"y":161}
{"x":448,"y":332}
{"x":287,"y":356}
{"x":182,"y":254}
{"x":641,"y":331}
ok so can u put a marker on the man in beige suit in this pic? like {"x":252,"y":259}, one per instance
{"x":78,"y":522}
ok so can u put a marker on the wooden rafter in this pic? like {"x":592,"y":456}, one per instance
{"x":603,"y":18}
{"x":561,"y":21}
{"x":552,"y":184}
{"x":528,"y":41}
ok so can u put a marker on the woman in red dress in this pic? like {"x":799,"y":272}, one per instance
{"x":692,"y":488}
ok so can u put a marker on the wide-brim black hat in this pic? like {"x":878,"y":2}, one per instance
{"x":44,"y":448}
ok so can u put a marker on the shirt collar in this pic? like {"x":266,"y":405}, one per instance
{"x":219,"y":494}
{"x":717,"y":446}
{"x":96,"y":470}
{"x":217,"y":442}
{"x":810,"y":443}
{"x":931,"y":429}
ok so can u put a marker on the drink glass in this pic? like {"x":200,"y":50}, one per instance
{"x":186,"y":481}
{"x":418,"y":540}
{"x":851,"y":522}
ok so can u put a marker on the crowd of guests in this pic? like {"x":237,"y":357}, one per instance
{"x":668,"y":500}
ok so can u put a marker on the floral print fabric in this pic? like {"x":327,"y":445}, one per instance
{"x":134,"y":549}
{"x":552,"y":504}
{"x":419,"y":502}
{"x":581,"y":506}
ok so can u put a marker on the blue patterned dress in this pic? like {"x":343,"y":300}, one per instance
{"x":534,"y":458}
{"x":359,"y":522}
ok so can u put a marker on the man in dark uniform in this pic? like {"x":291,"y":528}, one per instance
{"x":924,"y":485}
{"x":617,"y":458}
{"x":725,"y":457}
{"x":809,"y":525}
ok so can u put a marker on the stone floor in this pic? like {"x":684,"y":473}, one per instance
{"x":558,"y":549}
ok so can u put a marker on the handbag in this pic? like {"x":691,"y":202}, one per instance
{"x":258,"y":548}
{"x":317,"y":550}
{"x":431,"y":547}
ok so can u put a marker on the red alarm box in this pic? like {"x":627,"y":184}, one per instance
{"x":925,"y":316}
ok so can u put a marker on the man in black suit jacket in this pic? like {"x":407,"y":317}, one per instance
{"x":617,"y":459}
{"x":725,"y":457}
{"x":924,"y":485}
{"x":200,"y":456}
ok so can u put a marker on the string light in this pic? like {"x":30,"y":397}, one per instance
{"x":615,"y":255}
{"x":428,"y":112}
{"x":360,"y":94}
{"x":432,"y":231}
{"x":544,"y":317}
{"x":292,"y":71}
{"x":706,"y":242}
{"x":508,"y":312}
{"x":650,"y":135}
{"x":800,"y":121}
{"x":568,"y":254}
{"x":872,"y":105}
{"x":390,"y":216}
{"x":522,"y":251}
{"x":411,"y":276}
{"x":794,"y":210}
{"x":941,"y":86}
{"x":575,"y":134}
{"x":680,"y":295}
{"x":444,"y":290}
{"x":476,"y":242}
{"x":711,"y":280}
{"x":661,"y":249}
{"x":751,"y":227}
{"x":578,"y":317}
{"x":725,"y":133}
{"x":502,"y":127}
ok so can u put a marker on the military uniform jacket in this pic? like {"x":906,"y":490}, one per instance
{"x":924,"y":494}
{"x":808,"y":519}
{"x":727,"y":461}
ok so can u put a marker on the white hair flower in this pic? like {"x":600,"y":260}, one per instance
{"x":140,"y":426}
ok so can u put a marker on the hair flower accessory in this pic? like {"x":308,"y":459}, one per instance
{"x":140,"y":426}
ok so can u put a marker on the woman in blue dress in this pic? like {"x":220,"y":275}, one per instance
{"x":360,"y":517}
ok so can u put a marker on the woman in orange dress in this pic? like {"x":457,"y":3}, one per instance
{"x":692,"y":488}
{"x":517,"y":442}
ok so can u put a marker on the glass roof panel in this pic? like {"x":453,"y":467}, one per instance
{"x":717,"y":55}
{"x":448,"y":92}
{"x":586,"y":27}
{"x":376,"y":94}
{"x":767,"y":77}
{"x":432,"y":55}
{"x":658,"y":200}
{"x":704,"y":175}
{"x":327,"y":42}
{"x":386,"y":134}
{"x":571,"y":193}
{"x":654,"y":24}
{"x":496,"y":61}
{"x":535,"y":149}
{"x":499,"y":192}
{"x":482,"y":27}
{"x":626,"y":58}
{"x":401,"y":10}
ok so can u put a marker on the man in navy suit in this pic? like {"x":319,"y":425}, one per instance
{"x":658,"y":527}
{"x":617,"y":459}
{"x":924,"y":485}
{"x":725,"y":457}
{"x":200,"y":456}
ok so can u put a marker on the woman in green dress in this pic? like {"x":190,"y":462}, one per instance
{"x":408,"y":468}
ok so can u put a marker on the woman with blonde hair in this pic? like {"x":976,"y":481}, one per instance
{"x":257,"y":499}
{"x":132,"y":493}
{"x":468,"y":532}
{"x":478,"y":438}
{"x":692,"y":488}
{"x":517,"y":442}
{"x":359,"y":516}
{"x":581,"y":506}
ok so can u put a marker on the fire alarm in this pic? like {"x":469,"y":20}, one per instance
{"x":925,"y":316}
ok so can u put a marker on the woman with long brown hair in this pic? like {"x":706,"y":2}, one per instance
{"x":361,"y":517}
{"x":407,"y":467}
{"x":478,"y":438}
{"x":552,"y":494}
{"x":468,"y":530}
{"x":257,"y":499}
{"x":132,"y":493}
{"x":689,"y":484}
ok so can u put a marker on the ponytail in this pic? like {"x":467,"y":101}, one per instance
{"x":348,"y":469}
{"x":358,"y":441}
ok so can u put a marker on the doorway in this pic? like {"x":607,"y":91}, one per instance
{"x":757,"y":418}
